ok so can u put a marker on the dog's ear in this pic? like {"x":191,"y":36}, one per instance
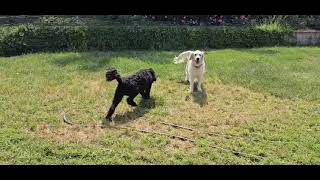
{"x":111,"y":69}
{"x":191,"y":56}
{"x":153,"y":74}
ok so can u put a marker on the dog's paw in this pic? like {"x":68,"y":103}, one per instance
{"x":104,"y":124}
{"x":133,"y":104}
{"x":145,"y":97}
{"x":111,"y":123}
{"x":107,"y":120}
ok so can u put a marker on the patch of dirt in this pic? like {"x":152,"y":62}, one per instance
{"x":177,"y":145}
{"x":71,"y":134}
{"x":55,"y":94}
{"x":95,"y":87}
{"x":227,"y":107}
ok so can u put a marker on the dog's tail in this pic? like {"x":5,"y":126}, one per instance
{"x":183,"y":57}
{"x":112,"y":74}
{"x":178,"y":60}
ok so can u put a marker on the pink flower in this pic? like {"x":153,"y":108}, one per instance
{"x":220,"y":20}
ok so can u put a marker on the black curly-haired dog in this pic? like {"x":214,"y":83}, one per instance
{"x":139,"y":83}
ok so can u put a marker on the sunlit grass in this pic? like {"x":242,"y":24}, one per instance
{"x":270,"y":94}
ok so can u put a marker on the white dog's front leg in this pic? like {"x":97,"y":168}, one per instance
{"x":191,"y":84}
{"x":187,"y":75}
{"x":199,"y":84}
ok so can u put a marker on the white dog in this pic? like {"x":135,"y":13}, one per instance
{"x":195,"y":67}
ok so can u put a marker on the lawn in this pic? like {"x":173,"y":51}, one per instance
{"x":264,"y":102}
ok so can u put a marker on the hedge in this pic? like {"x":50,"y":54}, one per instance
{"x":29,"y":38}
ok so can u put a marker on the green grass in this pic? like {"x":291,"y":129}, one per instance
{"x":270,"y":94}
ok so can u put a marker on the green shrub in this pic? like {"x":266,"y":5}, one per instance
{"x":30,"y":38}
{"x":21,"y":39}
{"x":60,"y":21}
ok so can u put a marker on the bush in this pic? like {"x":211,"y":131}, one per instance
{"x":60,"y":21}
{"x":34,"y":38}
{"x":185,"y":37}
{"x":22,"y":39}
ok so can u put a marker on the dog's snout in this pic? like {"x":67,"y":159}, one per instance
{"x":197,"y":60}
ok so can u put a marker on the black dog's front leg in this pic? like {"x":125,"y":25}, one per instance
{"x":146,"y":93}
{"x":116,"y":100}
{"x":130,"y":100}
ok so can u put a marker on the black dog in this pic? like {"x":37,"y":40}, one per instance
{"x":139,"y":83}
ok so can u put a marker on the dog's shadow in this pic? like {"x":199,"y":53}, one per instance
{"x":144,"y":106}
{"x":198,"y":97}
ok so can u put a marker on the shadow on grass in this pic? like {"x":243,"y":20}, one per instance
{"x":95,"y":61}
{"x":198,"y":97}
{"x":183,"y":82}
{"x":259,"y":51}
{"x":144,"y":106}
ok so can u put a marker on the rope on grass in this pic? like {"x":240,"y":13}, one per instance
{"x":154,"y":132}
{"x":219,"y":134}
{"x":209,"y":133}
{"x":237,"y":153}
{"x":182,"y":138}
{"x":66,"y":120}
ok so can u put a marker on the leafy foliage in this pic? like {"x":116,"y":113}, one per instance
{"x":28,"y":38}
